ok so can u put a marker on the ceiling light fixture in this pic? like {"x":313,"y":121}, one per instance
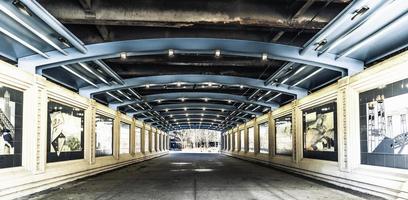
{"x":22,"y":8}
{"x":264,"y":57}
{"x":113,"y":96}
{"x":79,"y":75}
{"x":217,"y":53}
{"x":171,"y":52}
{"x":123,"y":94}
{"x":123,"y":55}
{"x":133,"y":108}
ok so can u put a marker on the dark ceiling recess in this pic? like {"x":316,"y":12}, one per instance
{"x":284,"y":22}
{"x":205,"y":64}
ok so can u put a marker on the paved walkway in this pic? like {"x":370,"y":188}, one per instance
{"x":182,"y":176}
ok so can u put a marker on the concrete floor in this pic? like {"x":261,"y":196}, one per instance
{"x":195,"y":176}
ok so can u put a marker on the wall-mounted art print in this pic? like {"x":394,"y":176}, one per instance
{"x":11,"y":120}
{"x":320,"y":132}
{"x":146,"y":141}
{"x":104,"y":136}
{"x":263,"y":130}
{"x":235,"y":141}
{"x":138,"y":139}
{"x":65,"y":132}
{"x":242,"y":139}
{"x":124,"y":138}
{"x":251,"y":139}
{"x":284,"y":136}
{"x":384,"y":127}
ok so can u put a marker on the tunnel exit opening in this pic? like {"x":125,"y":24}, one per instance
{"x":195,"y":141}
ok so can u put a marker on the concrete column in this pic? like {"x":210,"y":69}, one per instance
{"x":256,"y":138}
{"x":347,"y":105}
{"x":132,"y":144}
{"x":150,"y":141}
{"x":297,"y":132}
{"x":34,"y":147}
{"x":142,"y":142}
{"x":271,"y":134}
{"x":116,"y":135}
{"x":90,"y":132}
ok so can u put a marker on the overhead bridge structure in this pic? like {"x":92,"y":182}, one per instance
{"x":311,"y":87}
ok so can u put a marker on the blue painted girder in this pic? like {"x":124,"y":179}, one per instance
{"x":195,"y":95}
{"x":197,"y":106}
{"x":193,"y":79}
{"x":37,"y":63}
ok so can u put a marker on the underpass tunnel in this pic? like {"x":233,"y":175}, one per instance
{"x":182,"y":99}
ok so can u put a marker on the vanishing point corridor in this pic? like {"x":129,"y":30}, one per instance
{"x":195,"y":176}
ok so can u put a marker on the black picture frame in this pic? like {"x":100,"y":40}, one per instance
{"x":285,"y":118}
{"x":16,"y":97}
{"x":322,"y":155}
{"x":64,"y":156}
{"x":378,"y":158}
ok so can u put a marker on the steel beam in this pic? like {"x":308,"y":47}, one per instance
{"x":194,"y":95}
{"x":37,"y":63}
{"x":195,"y":106}
{"x":192,"y":115}
{"x":194,"y":79}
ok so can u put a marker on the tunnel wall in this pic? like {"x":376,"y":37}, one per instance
{"x":33,"y":166}
{"x":350,"y":168}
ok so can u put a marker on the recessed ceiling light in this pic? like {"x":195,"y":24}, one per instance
{"x":203,"y":108}
{"x":217,"y":53}
{"x":171,"y":52}
{"x":123,"y":55}
{"x":241,"y":86}
{"x":264,"y":57}
{"x":178,"y":84}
